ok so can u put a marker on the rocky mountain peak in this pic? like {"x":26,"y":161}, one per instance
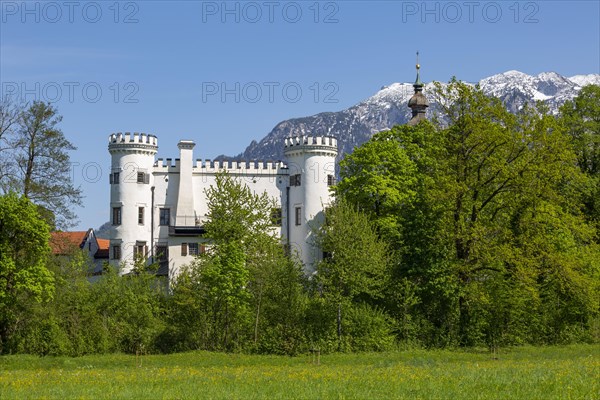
{"x":389,"y":107}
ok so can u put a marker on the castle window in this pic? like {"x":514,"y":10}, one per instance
{"x":162,"y":253}
{"x":276,"y":216}
{"x":296,"y":180}
{"x":298,"y":216}
{"x":114,"y":178}
{"x":116,"y":215}
{"x":330,"y":180}
{"x":162,"y":257}
{"x":165,"y":214}
{"x":140,"y":250}
{"x":141,"y":215}
{"x":116,"y":252}
{"x":192,"y":249}
{"x":143,"y":177}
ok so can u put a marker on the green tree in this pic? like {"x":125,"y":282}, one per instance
{"x":406,"y":163}
{"x":383,"y":175}
{"x":39,"y":149}
{"x":509,"y":173}
{"x":280,"y":301}
{"x":67,"y":324}
{"x":9,"y":116}
{"x":491,"y":226}
{"x":24,"y":248}
{"x":235,"y":213}
{"x":230,"y":286}
{"x":581,"y":119}
{"x":356,"y":265}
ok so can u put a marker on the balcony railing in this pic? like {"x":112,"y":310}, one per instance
{"x":187,"y":226}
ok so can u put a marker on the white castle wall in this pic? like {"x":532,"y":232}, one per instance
{"x":131,"y":153}
{"x":312,"y":157}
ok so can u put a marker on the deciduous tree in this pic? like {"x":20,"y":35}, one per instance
{"x":581,"y":120}
{"x":43,"y":170}
{"x":24,"y":248}
{"x":487,"y":214}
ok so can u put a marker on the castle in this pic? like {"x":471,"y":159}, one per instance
{"x":158,"y":208}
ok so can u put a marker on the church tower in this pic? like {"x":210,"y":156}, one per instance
{"x":418,"y":102}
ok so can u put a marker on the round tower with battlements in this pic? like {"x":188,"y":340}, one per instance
{"x":131,"y":181}
{"x":311,"y":163}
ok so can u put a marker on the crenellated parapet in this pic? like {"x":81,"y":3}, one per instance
{"x":214,"y":166}
{"x":310,"y":140}
{"x":313,"y":144}
{"x":133,"y":142}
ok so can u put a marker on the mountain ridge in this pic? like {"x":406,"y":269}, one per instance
{"x":389,"y":106}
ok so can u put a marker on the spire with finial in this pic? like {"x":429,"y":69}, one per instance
{"x":418,"y":102}
{"x":418,"y":80}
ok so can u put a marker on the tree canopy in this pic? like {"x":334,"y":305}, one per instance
{"x":485,"y":215}
{"x":482,"y":230}
{"x":24,"y":249}
{"x":36,"y":161}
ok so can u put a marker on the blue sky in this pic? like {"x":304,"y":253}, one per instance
{"x":225,"y":73}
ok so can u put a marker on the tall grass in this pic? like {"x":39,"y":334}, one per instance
{"x":570,"y":372}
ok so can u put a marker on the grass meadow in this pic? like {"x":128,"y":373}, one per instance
{"x":569,"y":372}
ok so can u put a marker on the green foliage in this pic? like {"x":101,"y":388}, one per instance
{"x":491,"y":246}
{"x":68,"y":324}
{"x":357,"y":263}
{"x":580,"y":118}
{"x":222,"y":278}
{"x":279,"y":301}
{"x":39,"y":150}
{"x":24,"y":278}
{"x":113,"y":314}
{"x":367,"y":328}
{"x":244,"y":292}
{"x":386,"y":174}
{"x":235,"y":213}
{"x":131,"y":308}
{"x":352,"y":275}
{"x":480,"y":232}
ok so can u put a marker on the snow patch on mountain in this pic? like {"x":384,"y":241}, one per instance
{"x":583,"y":80}
{"x":389,"y":107}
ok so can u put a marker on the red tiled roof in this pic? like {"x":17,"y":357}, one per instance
{"x":103,"y":246}
{"x":64,"y":243}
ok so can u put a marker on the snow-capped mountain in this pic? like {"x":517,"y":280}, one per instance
{"x":583,"y":80}
{"x":515,"y":88}
{"x":388,"y":107}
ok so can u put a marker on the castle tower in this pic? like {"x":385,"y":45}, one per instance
{"x":418,"y":102}
{"x":131,"y":181}
{"x":311,"y":163}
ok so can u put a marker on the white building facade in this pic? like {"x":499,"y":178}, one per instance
{"x":158,"y":207}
